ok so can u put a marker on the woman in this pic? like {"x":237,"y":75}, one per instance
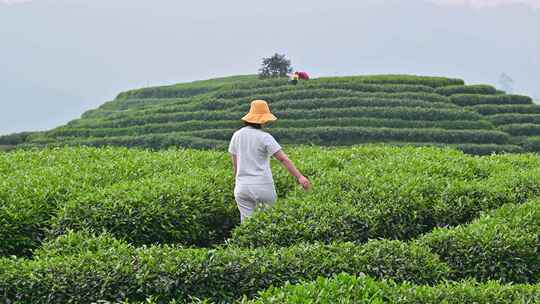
{"x":251,"y":149}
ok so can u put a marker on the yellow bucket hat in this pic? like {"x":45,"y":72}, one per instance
{"x":259,"y":113}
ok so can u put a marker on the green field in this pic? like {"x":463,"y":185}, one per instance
{"x":328,"y":111}
{"x":383,"y":224}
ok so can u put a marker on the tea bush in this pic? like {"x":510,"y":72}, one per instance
{"x":191,"y":209}
{"x":466,"y":89}
{"x":522,"y":129}
{"x":335,"y":135}
{"x":343,"y":102}
{"x":489,"y":109}
{"x":378,"y":89}
{"x":532,"y":144}
{"x":36,"y":185}
{"x":503,"y":245}
{"x":119,"y":105}
{"x":61,"y":133}
{"x":76,"y":243}
{"x":122,"y":272}
{"x":149,"y":141}
{"x":398,"y":79}
{"x":488,"y":149}
{"x":171,"y":140}
{"x":475,"y":99}
{"x":345,"y":288}
{"x":405,"y":113}
{"x":504,"y":119}
{"x":14,"y":139}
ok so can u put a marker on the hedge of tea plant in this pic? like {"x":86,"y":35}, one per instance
{"x":345,"y":288}
{"x":514,"y":118}
{"x":80,"y":267}
{"x":189,"y":209}
{"x":292,"y":123}
{"x":492,"y":109}
{"x":406,"y":113}
{"x":503,"y":245}
{"x":172,"y":192}
{"x":87,"y":267}
{"x":479,"y":89}
{"x":502,"y":100}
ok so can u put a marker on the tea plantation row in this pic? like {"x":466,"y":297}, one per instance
{"x":78,"y":267}
{"x":350,"y":289}
{"x":327,"y":136}
{"x":292,"y":123}
{"x":152,"y":190}
{"x":513,"y":114}
{"x":405,"y":113}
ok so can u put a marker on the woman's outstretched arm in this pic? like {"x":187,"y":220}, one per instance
{"x":287,"y":163}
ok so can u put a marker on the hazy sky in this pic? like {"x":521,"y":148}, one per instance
{"x":60,"y":58}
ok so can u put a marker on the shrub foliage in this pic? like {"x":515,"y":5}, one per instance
{"x":345,"y":288}
{"x":121,"y":225}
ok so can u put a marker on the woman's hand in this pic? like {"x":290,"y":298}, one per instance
{"x":304,"y":182}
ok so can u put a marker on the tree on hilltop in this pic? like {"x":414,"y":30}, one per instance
{"x":276,"y":66}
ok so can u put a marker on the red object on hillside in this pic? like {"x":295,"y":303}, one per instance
{"x":303,"y":75}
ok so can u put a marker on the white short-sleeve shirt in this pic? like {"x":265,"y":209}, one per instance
{"x":253,"y":149}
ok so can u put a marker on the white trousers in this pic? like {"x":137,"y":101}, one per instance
{"x":252,"y":197}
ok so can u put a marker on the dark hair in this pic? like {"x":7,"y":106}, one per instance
{"x":254,"y":125}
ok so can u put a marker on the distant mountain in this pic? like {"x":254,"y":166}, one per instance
{"x":329,"y":111}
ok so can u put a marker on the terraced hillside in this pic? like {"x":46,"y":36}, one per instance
{"x":327,"y":111}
